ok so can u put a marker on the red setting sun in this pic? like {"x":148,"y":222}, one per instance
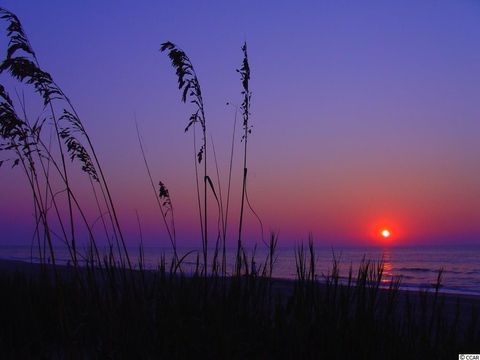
{"x":384,"y":232}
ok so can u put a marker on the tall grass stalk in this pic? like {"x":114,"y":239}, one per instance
{"x":22,"y":64}
{"x":190,"y":86}
{"x":161,"y":195}
{"x":224,"y":262}
{"x":161,"y":314}
{"x":244,"y":72}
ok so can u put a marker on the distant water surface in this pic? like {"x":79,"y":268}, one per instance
{"x":417,"y":266}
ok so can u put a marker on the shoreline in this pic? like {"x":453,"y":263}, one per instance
{"x":356,"y":311}
{"x":281,"y":286}
{"x":418,"y":268}
{"x":284,"y":289}
{"x":31,"y":268}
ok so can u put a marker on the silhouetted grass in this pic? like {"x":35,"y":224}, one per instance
{"x":157,"y":314}
{"x":107,"y":309}
{"x":189,"y":84}
{"x":28,"y":144}
{"x":244,"y":72}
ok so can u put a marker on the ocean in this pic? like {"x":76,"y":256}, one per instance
{"x":417,"y":266}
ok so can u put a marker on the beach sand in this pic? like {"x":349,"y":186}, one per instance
{"x":416,"y":318}
{"x":456,"y":308}
{"x":463,"y":304}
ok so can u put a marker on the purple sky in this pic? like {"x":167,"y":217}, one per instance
{"x":366,"y":115}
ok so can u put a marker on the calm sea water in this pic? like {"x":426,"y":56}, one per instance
{"x":417,"y":266}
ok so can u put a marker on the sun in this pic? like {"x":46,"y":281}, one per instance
{"x":385,"y":233}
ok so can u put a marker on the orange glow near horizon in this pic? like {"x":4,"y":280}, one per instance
{"x":386,"y":233}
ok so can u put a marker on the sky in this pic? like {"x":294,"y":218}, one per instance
{"x":365,"y":115}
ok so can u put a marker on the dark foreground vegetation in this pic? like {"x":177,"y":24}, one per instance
{"x":115,"y":313}
{"x":105,"y":306}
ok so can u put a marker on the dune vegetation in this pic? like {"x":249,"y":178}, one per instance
{"x":105,"y":305}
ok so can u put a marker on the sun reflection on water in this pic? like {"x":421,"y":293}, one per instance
{"x":387,"y":266}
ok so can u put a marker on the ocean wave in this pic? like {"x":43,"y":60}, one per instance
{"x":434,"y":271}
{"x":416,"y":269}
